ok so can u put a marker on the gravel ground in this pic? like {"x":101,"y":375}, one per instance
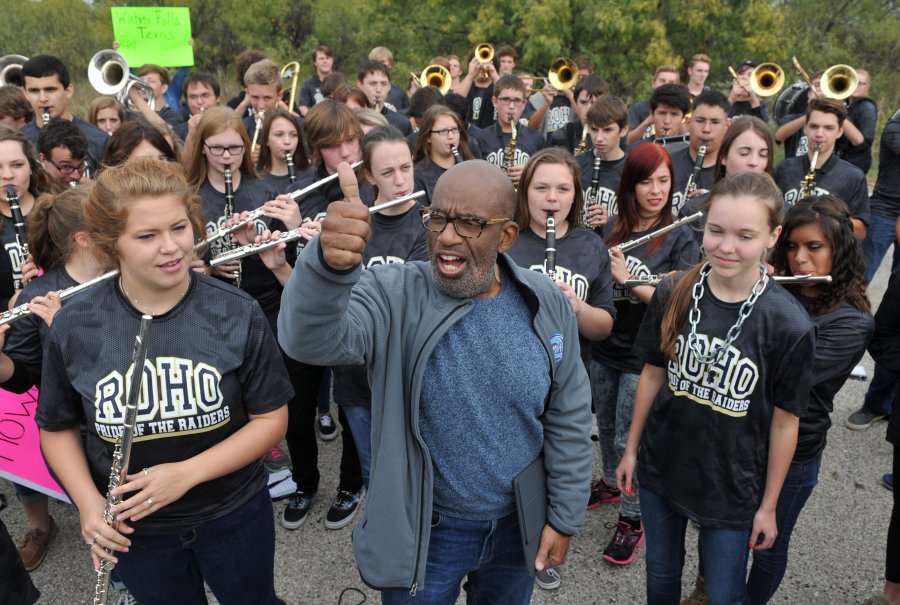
{"x":837,"y":551}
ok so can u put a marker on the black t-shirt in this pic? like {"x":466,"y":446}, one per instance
{"x":426,"y":177}
{"x":569,"y":138}
{"x":558,"y":115}
{"x":12,"y":252}
{"x":841,"y":339}
{"x":309,"y":92}
{"x":25,"y":338}
{"x":96,"y":138}
{"x":610,"y":175}
{"x":835,"y":176}
{"x":582,"y":262}
{"x":212,"y":361}
{"x":694,"y":205}
{"x":481,"y":108}
{"x":256,"y":279}
{"x":170,"y":116}
{"x":797,"y":144}
{"x":395,"y":239}
{"x":683,"y":167}
{"x":863,"y":113}
{"x":678,"y":251}
{"x":637,"y":113}
{"x":705,"y":445}
{"x":886,"y":194}
{"x":743,"y":108}
{"x":397,"y":120}
{"x":397,"y":98}
{"x":277,"y":183}
{"x":492,"y":142}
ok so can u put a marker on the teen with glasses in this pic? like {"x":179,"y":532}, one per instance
{"x":441,"y":133}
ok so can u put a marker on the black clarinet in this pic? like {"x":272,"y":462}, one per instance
{"x":550,"y":247}
{"x":595,"y":181}
{"x":12,"y":198}
{"x":456,"y":155}
{"x":229,"y":211}
{"x":695,"y":174}
{"x":292,"y":172}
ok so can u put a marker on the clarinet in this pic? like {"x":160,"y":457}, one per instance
{"x":456,"y":156}
{"x":695,"y":174}
{"x":550,"y":247}
{"x":12,"y":198}
{"x":45,"y":116}
{"x":808,"y":182}
{"x":122,"y":452}
{"x":594,"y":198}
{"x":653,"y":280}
{"x":229,"y":211}
{"x":292,"y":172}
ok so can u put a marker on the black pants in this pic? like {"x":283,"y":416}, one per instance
{"x":301,"y":432}
{"x":892,"y":560}
{"x":16,"y":587}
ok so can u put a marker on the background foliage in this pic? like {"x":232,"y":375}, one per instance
{"x":626,"y":38}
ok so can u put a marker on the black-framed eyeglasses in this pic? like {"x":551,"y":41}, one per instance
{"x":510,"y":101}
{"x":218,"y":150}
{"x":68,"y":168}
{"x":465,"y":226}
{"x":445,"y":132}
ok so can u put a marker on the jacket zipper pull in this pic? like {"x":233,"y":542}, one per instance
{"x":412,"y":591}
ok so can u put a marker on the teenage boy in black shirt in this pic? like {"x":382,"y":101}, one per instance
{"x":478,"y":88}
{"x":706,"y":126}
{"x":158,"y":80}
{"x":607,"y":123}
{"x":742,"y":98}
{"x":697,"y":72}
{"x":669,"y":104}
{"x":310,"y":94}
{"x":509,"y":99}
{"x":639,"y":119}
{"x":396,"y":98}
{"x":824,"y":126}
{"x":586,"y":92}
{"x":49,"y":87}
{"x":374,"y":79}
{"x":263,"y":82}
{"x":862,"y":114}
{"x":201,"y":91}
{"x":63,"y":151}
{"x":790,"y":127}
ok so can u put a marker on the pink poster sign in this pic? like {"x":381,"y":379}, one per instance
{"x":20,"y":448}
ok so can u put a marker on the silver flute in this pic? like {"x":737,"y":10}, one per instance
{"x":646,"y":238}
{"x":293,"y":234}
{"x":653,"y":280}
{"x":550,"y":247}
{"x":16,"y":313}
{"x":259,"y":212}
{"x":122,"y":452}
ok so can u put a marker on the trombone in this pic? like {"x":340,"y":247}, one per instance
{"x":291,"y":71}
{"x":838,"y":81}
{"x":108,"y":74}
{"x":563,"y":74}
{"x":11,"y":70}
{"x":434,"y":75}
{"x":485,"y":54}
{"x":766,"y":79}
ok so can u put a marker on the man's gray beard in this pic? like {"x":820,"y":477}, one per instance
{"x":466,"y":286}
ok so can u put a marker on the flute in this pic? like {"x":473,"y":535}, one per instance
{"x":550,"y":247}
{"x":646,"y":238}
{"x":293,"y":234}
{"x":292,"y":172}
{"x":653,"y":280}
{"x":456,"y":156}
{"x":259,"y":212}
{"x":122,"y":452}
{"x":16,"y":313}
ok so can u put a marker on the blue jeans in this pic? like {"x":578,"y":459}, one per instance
{"x":769,"y":565}
{"x":724,"y":561}
{"x":880,"y":396}
{"x":613,"y":394}
{"x":879,"y":237}
{"x":234,"y":554}
{"x":360,"y":420}
{"x":487,"y":554}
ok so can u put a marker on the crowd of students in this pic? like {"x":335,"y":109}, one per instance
{"x":704,"y":350}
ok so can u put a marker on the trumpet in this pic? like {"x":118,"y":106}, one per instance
{"x":646,"y":238}
{"x":434,"y":75}
{"x":653,"y":280}
{"x":11,"y":70}
{"x":108,"y":74}
{"x":293,"y":234}
{"x":291,"y":71}
{"x":259,"y":212}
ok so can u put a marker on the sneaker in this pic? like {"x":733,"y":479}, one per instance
{"x":595,"y":430}
{"x":281,"y":485}
{"x":859,"y":372}
{"x":343,"y":509}
{"x":602,"y":493}
{"x":698,"y":596}
{"x":547,"y":579}
{"x":277,"y":458}
{"x":33,"y":549}
{"x":297,"y":509}
{"x":888,"y":481}
{"x":326,"y":427}
{"x":862,"y":419}
{"x":626,"y":540}
{"x":125,"y":598}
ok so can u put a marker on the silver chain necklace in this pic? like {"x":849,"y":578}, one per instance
{"x":716,"y":353}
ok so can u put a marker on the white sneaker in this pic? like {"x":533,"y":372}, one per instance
{"x":595,"y":430}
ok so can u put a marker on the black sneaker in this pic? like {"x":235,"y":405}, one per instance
{"x":326,"y":427}
{"x":343,"y":509}
{"x":626,"y":540}
{"x":862,"y":419}
{"x":297,"y":509}
{"x":548,"y":579}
